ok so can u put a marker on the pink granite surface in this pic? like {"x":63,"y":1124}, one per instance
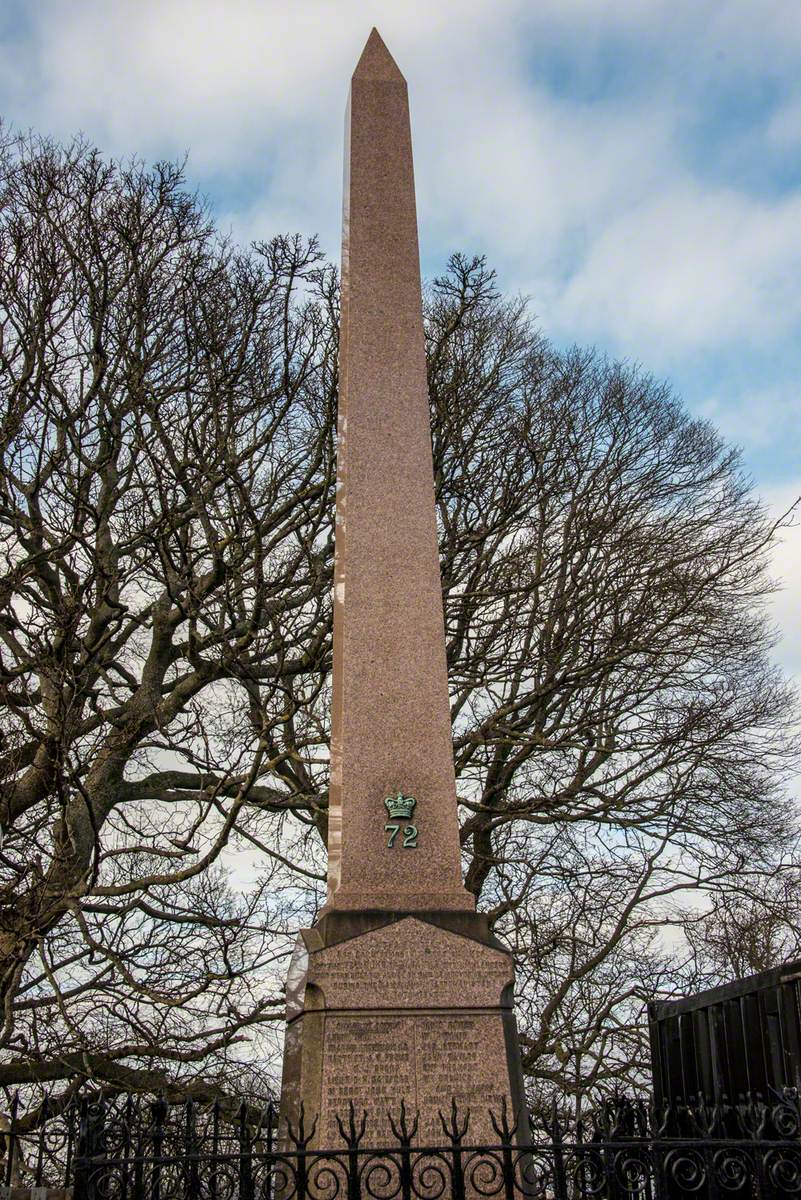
{"x":391,"y":728}
{"x":411,"y":964}
{"x":405,"y":1012}
{"x":412,"y":1003}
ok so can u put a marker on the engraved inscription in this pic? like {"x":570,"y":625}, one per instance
{"x":461,"y":1057}
{"x":367,"y":1060}
{"x":411,"y":964}
{"x":377,"y":1061}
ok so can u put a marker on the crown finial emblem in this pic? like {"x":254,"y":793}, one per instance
{"x":400,"y":806}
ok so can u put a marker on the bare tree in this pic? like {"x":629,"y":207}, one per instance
{"x":753,"y":927}
{"x":166,"y":489}
{"x":621,"y":735}
{"x":165,"y":503}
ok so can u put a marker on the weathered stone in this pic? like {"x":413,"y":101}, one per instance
{"x":407,"y":1011}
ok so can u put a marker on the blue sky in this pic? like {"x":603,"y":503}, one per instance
{"x":634,"y":166}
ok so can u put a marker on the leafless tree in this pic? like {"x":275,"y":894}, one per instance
{"x":165,"y":507}
{"x":620,"y":735}
{"x":753,"y":927}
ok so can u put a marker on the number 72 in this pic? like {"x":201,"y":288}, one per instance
{"x":409,"y":836}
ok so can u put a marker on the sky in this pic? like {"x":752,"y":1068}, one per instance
{"x":633,"y":166}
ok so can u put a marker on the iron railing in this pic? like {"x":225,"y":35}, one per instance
{"x":135,"y":1148}
{"x":38,"y":1148}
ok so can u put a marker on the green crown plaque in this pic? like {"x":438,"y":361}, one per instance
{"x":400,"y":806}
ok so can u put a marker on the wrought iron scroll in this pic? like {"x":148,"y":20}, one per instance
{"x":140,"y":1148}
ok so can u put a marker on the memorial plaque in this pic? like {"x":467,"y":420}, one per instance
{"x":377,"y":1060}
{"x":371,"y":1061}
{"x":411,"y":964}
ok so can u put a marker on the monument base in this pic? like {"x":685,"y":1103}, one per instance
{"x":384,"y":1007}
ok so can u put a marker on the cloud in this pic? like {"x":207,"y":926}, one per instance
{"x":755,"y":414}
{"x":630,"y":165}
{"x":691,"y":267}
{"x":184,"y":73}
{"x":786,"y":569}
{"x":784,"y":127}
{"x":216,"y":76}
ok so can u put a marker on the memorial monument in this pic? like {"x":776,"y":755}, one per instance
{"x":399,"y":992}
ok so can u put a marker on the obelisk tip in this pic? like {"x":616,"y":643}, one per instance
{"x":376,"y":61}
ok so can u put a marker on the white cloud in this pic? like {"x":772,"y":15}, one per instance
{"x":691,"y":267}
{"x":755,"y":415}
{"x":589,"y":194}
{"x":589,"y":198}
{"x":784,"y":127}
{"x":213,"y":75}
{"x":786,"y":566}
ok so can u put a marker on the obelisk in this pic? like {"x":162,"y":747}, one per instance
{"x":399,"y":992}
{"x":391,"y":716}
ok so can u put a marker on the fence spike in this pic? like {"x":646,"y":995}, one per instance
{"x":400,"y":1130}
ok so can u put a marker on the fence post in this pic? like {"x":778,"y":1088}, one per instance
{"x":125,"y":1147}
{"x":159,"y":1109}
{"x":72,"y":1108}
{"x":245,"y":1156}
{"x":455,"y":1132}
{"x":756,"y":1121}
{"x":215,"y":1147}
{"x":404,"y":1136}
{"x":559,"y":1177}
{"x":268,"y":1180}
{"x":300,"y":1140}
{"x":85,"y":1149}
{"x":506,"y":1132}
{"x":139,"y":1154}
{"x":190,"y":1135}
{"x":352,"y":1136}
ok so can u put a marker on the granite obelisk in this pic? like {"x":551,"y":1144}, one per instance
{"x":391,"y":716}
{"x":399,"y":992}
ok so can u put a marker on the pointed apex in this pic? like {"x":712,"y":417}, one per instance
{"x":376,"y":62}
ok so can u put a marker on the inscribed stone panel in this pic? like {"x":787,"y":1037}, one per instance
{"x":426,"y":1060}
{"x":411,"y":964}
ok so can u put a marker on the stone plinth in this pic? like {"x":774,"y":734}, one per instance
{"x":383,"y":1009}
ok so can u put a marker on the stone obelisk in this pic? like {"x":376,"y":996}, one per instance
{"x":399,"y":992}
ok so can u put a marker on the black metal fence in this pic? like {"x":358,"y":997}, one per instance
{"x":38,"y":1148}
{"x":134,"y":1148}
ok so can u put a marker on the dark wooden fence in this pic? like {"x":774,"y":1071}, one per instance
{"x":743,"y":1037}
